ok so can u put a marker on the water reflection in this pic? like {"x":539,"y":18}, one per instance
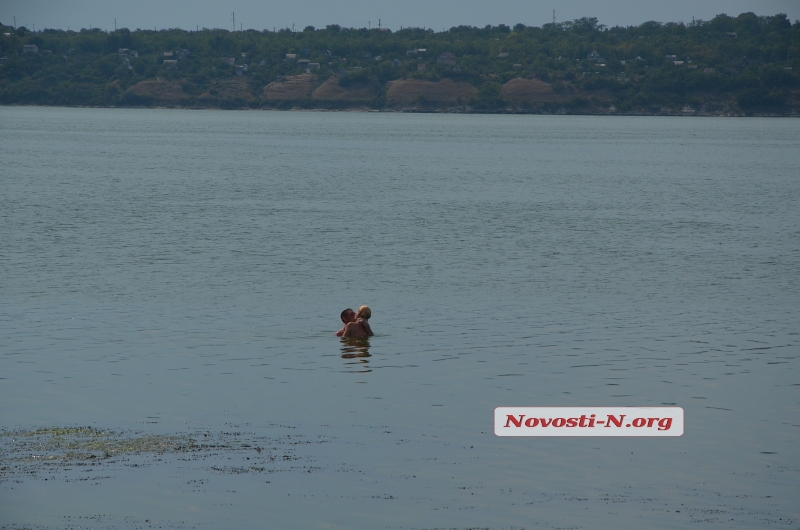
{"x":356,"y":350}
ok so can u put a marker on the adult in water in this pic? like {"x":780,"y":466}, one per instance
{"x":347,"y":316}
{"x":358,"y":325}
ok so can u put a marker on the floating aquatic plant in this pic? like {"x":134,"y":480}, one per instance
{"x":83,"y":443}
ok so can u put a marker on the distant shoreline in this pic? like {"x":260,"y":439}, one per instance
{"x":724,"y":67}
{"x":418,"y":110}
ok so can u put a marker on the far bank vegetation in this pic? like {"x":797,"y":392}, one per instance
{"x":728,"y":65}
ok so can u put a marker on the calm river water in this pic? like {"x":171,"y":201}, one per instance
{"x":181,"y":273}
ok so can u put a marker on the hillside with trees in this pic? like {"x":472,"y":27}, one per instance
{"x":725,"y":66}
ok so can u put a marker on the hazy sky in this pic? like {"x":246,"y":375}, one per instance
{"x":261,"y":14}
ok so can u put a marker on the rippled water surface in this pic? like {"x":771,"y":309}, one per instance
{"x":180,"y":274}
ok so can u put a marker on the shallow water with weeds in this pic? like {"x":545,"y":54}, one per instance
{"x":81,"y":443}
{"x":171,"y":283}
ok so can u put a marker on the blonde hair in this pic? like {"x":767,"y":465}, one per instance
{"x":365,"y":311}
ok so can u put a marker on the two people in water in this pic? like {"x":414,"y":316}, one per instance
{"x":356,"y":324}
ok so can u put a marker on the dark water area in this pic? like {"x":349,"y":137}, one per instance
{"x":173,"y":280}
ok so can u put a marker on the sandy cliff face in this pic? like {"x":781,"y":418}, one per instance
{"x":293,"y":87}
{"x":330,"y":90}
{"x":533,"y":94}
{"x":406,"y":92}
{"x":235,"y":89}
{"x":308,"y":91}
{"x":521,"y":92}
{"x":156,"y":92}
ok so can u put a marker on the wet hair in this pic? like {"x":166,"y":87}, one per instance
{"x":343,"y":315}
{"x":365,"y":311}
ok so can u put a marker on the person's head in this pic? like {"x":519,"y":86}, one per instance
{"x":348,"y":315}
{"x":364,"y":312}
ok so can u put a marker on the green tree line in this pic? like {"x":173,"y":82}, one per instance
{"x":750,"y":60}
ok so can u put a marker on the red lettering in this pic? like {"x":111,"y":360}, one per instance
{"x":591,"y":420}
{"x":583,"y":419}
{"x":572,"y":422}
{"x":615,"y":421}
{"x":664,"y":424}
{"x":531,"y":422}
{"x":559,"y":422}
{"x":546,"y":423}
{"x":639,"y":422}
{"x":650,"y":421}
{"x":517,"y":423}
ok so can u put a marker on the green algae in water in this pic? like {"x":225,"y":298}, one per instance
{"x":67,"y":431}
{"x":82,"y":443}
{"x":62,"y":452}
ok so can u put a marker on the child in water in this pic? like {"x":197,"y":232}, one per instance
{"x":363,"y":315}
{"x":360,"y":328}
